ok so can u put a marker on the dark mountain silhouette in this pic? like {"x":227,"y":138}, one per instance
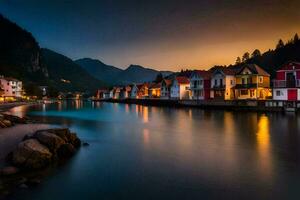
{"x":19,"y":53}
{"x":99,"y":70}
{"x":66,"y":75}
{"x":21,"y":57}
{"x":116,"y":76}
{"x":138,"y":74}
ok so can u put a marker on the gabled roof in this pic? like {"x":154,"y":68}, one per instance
{"x":225,"y":71}
{"x":228,"y":71}
{"x":202,"y":73}
{"x":290,"y":65}
{"x":168,"y":82}
{"x":182,"y":80}
{"x":255,"y":69}
{"x":155,"y":85}
{"x":127,"y":88}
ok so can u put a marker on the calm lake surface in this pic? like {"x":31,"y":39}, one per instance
{"x":140,"y":152}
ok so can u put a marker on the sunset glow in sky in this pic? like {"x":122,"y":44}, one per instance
{"x":166,"y":35}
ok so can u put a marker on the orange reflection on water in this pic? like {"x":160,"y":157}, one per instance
{"x":126,"y":108}
{"x":263,"y":146}
{"x":145,"y":114}
{"x":19,"y":110}
{"x":146,"y":136}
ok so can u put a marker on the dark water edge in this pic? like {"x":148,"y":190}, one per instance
{"x":142,"y":152}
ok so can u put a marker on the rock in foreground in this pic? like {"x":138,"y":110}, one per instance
{"x":44,"y":148}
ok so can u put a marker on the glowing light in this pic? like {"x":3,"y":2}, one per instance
{"x":145,"y":114}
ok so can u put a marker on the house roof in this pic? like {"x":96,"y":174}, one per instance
{"x":202,"y":73}
{"x":168,"y":82}
{"x":182,"y":80}
{"x":255,"y":69}
{"x":155,"y":85}
{"x":127,"y":88}
{"x":9,"y":79}
{"x":228,"y":71}
{"x":225,"y":71}
{"x":290,"y":65}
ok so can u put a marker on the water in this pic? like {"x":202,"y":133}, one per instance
{"x":140,"y":152}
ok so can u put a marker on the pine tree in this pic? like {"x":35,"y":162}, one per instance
{"x":238,"y":61}
{"x":245,"y":57}
{"x":280,"y":44}
{"x":256,"y":53}
{"x":159,"y":78}
{"x":296,"y":38}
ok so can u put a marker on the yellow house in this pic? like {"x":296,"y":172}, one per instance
{"x":252,"y":82}
{"x":155,"y":90}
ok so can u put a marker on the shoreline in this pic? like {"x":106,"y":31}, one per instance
{"x":6,"y":106}
{"x":241,"y":105}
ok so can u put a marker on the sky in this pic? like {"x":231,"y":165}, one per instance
{"x":161,"y":34}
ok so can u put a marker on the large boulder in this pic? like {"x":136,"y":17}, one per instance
{"x":66,"y":151}
{"x":63,"y":133}
{"x":31,"y":154}
{"x":74,"y":140}
{"x":7,"y":123}
{"x":52,"y":141}
{"x":15,"y":119}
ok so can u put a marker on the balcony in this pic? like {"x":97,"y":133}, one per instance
{"x":246,"y":86}
{"x":286,"y":84}
{"x":219,"y":87}
{"x":196,"y":87}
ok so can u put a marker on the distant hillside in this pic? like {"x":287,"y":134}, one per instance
{"x":66,"y":74}
{"x":137,"y":73}
{"x":21,"y":57}
{"x":99,"y":70}
{"x":115,"y":76}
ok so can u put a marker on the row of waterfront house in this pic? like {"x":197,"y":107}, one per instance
{"x":250,"y":82}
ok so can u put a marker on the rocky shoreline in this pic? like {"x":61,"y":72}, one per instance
{"x":32,"y":158}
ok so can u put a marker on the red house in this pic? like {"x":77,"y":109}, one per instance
{"x":286,"y":86}
{"x":200,"y":84}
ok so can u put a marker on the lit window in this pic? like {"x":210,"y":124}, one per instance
{"x":261,"y":79}
{"x":244,"y":92}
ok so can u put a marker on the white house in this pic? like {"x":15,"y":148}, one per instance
{"x":134,"y":91}
{"x":200,"y":85}
{"x":222,"y":84}
{"x":180,"y":88}
{"x":165,"y":88}
{"x":12,"y":87}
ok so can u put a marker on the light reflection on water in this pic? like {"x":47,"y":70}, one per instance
{"x":141,"y":152}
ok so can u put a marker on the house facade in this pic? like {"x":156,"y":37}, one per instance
{"x":125,"y":92}
{"x":11,"y":87}
{"x":116,"y":92}
{"x":286,"y":85}
{"x":143,"y":91}
{"x":155,"y":90}
{"x":252,"y":82}
{"x":222,"y":84}
{"x":165,"y":88}
{"x":180,"y":88}
{"x":200,"y":85}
